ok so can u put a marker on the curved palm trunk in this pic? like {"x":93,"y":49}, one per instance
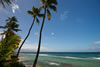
{"x":39,"y":44}
{"x":25,"y":38}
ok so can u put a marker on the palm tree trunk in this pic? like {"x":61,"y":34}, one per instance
{"x":25,"y":38}
{"x":39,"y":44}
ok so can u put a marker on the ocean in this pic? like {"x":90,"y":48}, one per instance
{"x":62,"y":59}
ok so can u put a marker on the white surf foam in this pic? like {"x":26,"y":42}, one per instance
{"x":73,"y":57}
{"x":44,"y":55}
{"x":52,"y":63}
{"x":97,"y":58}
{"x":85,"y":58}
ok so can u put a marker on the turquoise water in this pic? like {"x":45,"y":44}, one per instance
{"x":64,"y":59}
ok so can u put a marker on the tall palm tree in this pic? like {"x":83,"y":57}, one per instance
{"x":47,"y":5}
{"x":35,"y":14}
{"x":2,"y":2}
{"x":11,"y":40}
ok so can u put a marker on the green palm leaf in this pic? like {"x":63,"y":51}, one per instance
{"x":37,"y":20}
{"x":48,"y":14}
{"x":2,"y":27}
{"x":29,"y":12}
{"x":41,"y":15}
{"x":53,"y":8}
{"x":33,"y":8}
{"x":11,"y":25}
{"x":40,"y":8}
{"x":42,"y":1}
{"x":14,"y":19}
{"x":52,"y":2}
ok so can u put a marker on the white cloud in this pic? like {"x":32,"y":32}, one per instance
{"x":52,"y":33}
{"x":94,"y":48}
{"x":14,"y":7}
{"x":32,"y":47}
{"x":64,"y":15}
{"x":36,"y":33}
{"x":97,"y":42}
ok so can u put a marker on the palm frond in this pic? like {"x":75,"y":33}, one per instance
{"x":8,"y":1}
{"x":1,"y":2}
{"x":11,"y":24}
{"x":52,"y":2}
{"x":14,"y":19}
{"x":48,"y":14}
{"x":41,"y":15}
{"x":33,"y":8}
{"x":40,"y":8}
{"x":29,"y":12}
{"x":53,"y":8}
{"x":37,"y":20}
{"x":4,"y":2}
{"x":2,"y":27}
{"x":9,"y":46}
{"x":42,"y":1}
{"x":17,"y":30}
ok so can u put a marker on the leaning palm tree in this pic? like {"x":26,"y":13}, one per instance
{"x":35,"y":14}
{"x":47,"y":5}
{"x":11,"y":40}
{"x":2,"y":2}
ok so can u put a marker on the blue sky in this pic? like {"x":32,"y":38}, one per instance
{"x":74,"y":28}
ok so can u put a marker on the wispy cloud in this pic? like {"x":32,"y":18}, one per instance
{"x":97,"y":42}
{"x":32,"y":47}
{"x":64,"y":15}
{"x":14,"y":6}
{"x":52,"y":33}
{"x":36,"y":33}
{"x":79,"y":20}
{"x":95,"y":48}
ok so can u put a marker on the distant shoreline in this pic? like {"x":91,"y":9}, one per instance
{"x":61,"y":52}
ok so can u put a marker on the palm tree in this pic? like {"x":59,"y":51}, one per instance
{"x":5,"y":1}
{"x":11,"y":40}
{"x":47,"y":4}
{"x":11,"y":26}
{"x":35,"y":14}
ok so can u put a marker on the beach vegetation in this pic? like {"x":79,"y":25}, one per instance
{"x":9,"y":43}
